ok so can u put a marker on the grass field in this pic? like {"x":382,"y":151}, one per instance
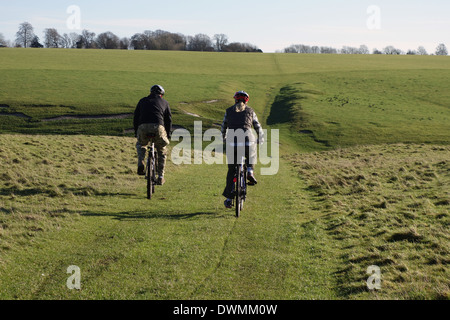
{"x":346,"y":97}
{"x":363,"y":180}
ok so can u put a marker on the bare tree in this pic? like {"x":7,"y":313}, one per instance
{"x":241,"y":47}
{"x":422,"y":51}
{"x":137,"y":42}
{"x":52,"y":38}
{"x":441,"y":50}
{"x":69,"y":41}
{"x":66,"y":41}
{"x":124,"y":43}
{"x":200,"y":42}
{"x":164,"y":40}
{"x":391,"y":50}
{"x":221,"y":41}
{"x":180,"y":41}
{"x":149,"y":40}
{"x":107,"y":40}
{"x":291,"y":49}
{"x":87,"y":40}
{"x":363,"y":49}
{"x":328,"y":50}
{"x":304,"y":49}
{"x":301,"y":48}
{"x":25,"y":34}
{"x":349,"y":50}
{"x":2,"y":41}
{"x":74,"y":39}
{"x":143,"y":41}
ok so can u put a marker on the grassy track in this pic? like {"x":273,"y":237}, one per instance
{"x":84,"y":206}
{"x":363,"y":179}
{"x":170,"y":248}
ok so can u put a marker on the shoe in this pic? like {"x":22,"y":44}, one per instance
{"x":228,"y":203}
{"x":251,"y":179}
{"x":141,"y":170}
{"x":161,"y":181}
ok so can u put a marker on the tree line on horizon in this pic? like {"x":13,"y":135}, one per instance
{"x":441,"y":50}
{"x":147,"y":40}
{"x":164,"y":40}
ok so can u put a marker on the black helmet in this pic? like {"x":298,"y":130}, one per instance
{"x":157,"y":89}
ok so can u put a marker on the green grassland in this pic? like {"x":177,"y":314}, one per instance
{"x":347,"y":97}
{"x":85,"y":206}
{"x":364,"y":178}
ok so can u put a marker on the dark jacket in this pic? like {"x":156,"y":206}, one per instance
{"x":153,"y":109}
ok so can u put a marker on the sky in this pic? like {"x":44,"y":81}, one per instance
{"x":269,"y":25}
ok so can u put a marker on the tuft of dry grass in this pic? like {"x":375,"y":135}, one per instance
{"x":385,"y":205}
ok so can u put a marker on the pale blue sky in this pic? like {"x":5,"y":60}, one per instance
{"x":270,"y":25}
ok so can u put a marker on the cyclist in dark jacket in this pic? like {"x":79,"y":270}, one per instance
{"x":153,"y":117}
{"x":241,"y":117}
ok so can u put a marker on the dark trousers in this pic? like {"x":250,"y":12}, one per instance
{"x":249,"y":152}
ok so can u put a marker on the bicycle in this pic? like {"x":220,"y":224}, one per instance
{"x":240,"y":186}
{"x":152,"y":164}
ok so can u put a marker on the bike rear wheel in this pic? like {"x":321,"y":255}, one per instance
{"x":151,"y":173}
{"x":238,"y":189}
{"x":150,"y":183}
{"x":154,"y":173}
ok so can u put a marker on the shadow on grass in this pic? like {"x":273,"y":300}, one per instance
{"x":130,"y":216}
{"x":282,"y":108}
{"x":58,"y":192}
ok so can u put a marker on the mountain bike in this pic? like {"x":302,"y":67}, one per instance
{"x":240,"y":186}
{"x":152,"y":164}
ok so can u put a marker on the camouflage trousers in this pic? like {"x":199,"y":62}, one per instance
{"x":161,"y":142}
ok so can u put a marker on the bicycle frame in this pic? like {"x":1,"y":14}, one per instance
{"x":151,"y":169}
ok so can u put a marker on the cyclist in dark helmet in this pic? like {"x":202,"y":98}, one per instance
{"x":241,"y":116}
{"x":153,"y":117}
